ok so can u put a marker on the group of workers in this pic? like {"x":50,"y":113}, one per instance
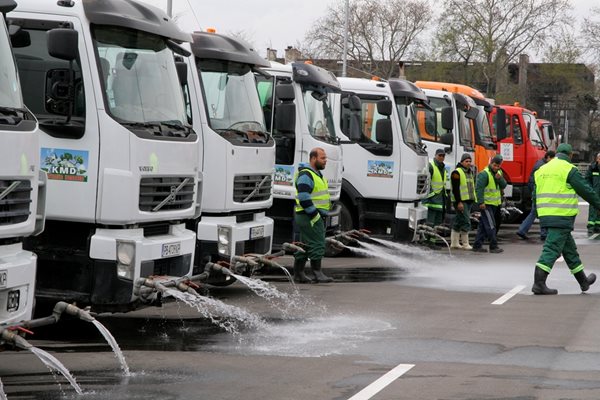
{"x":556,"y":186}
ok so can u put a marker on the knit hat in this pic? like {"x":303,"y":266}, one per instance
{"x":465,"y":156}
{"x":497,"y":159}
{"x":440,"y":151}
{"x":564,"y":148}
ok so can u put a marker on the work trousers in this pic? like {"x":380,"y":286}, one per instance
{"x":593,"y":225}
{"x":313,"y":236}
{"x":435,"y":216}
{"x":462,"y":221}
{"x":487,"y":228}
{"x":559,"y":242}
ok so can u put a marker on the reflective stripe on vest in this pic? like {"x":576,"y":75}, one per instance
{"x":491,"y":193}
{"x":467,"y":186}
{"x":554,"y":196}
{"x":320,"y":193}
{"x":437,"y":181}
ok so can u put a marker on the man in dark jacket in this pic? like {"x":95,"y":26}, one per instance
{"x":463,"y":195}
{"x":488,"y":189}
{"x":592,"y":176}
{"x":558,"y":185}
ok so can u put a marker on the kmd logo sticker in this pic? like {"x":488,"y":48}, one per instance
{"x":380,"y":169}
{"x":65,"y":165}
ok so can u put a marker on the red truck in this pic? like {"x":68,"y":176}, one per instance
{"x":523,"y":146}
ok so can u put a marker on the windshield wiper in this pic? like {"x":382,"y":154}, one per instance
{"x":155,"y":127}
{"x":12,"y":110}
{"x":182,"y":129}
{"x":11,"y":115}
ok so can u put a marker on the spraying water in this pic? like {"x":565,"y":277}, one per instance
{"x":406,"y":249}
{"x":290,"y":278}
{"x":227,"y":317}
{"x":54,"y":365}
{"x":2,"y":394}
{"x":113,"y":343}
{"x":288,"y":303}
{"x":372,"y":250}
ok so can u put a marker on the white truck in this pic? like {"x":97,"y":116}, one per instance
{"x":115,"y":141}
{"x":385,"y":163}
{"x":21,"y":185}
{"x":239,"y":153}
{"x":297,"y":106}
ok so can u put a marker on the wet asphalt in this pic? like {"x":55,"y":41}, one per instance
{"x":329,"y":341}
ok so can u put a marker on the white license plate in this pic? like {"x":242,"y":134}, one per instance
{"x":257,"y":232}
{"x":3,"y":278}
{"x":171,"y":249}
{"x":335,"y":220}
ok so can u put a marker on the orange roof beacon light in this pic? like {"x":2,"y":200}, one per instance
{"x":211,"y":30}
{"x":309,"y":62}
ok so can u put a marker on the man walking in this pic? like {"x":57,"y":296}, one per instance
{"x":463,"y":196}
{"x":592,"y":176}
{"x":558,"y":183}
{"x":488,"y":189}
{"x":527,"y":222}
{"x":436,"y":200}
{"x":312,"y":205}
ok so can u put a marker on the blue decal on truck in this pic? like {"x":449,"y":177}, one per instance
{"x":380,"y":169}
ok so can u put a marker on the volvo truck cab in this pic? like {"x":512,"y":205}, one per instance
{"x":385,"y":162}
{"x":21,"y":184}
{"x":239,"y":153}
{"x":116,"y":143}
{"x":296,"y":103}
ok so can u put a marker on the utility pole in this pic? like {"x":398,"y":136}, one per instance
{"x":345,"y":54}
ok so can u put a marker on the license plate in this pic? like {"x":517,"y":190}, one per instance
{"x":335,"y":220}
{"x":3,"y":278}
{"x":257,"y":232}
{"x":14,"y":299}
{"x":171,"y":249}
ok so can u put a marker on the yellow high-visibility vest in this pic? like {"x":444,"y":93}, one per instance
{"x":554,"y":196}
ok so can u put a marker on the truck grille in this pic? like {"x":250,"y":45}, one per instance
{"x":250,"y":188}
{"x":14,"y":206}
{"x":159,"y":193}
{"x":422,"y":184}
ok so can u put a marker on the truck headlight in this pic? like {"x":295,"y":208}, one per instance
{"x":224,"y":240}
{"x":125,"y":259}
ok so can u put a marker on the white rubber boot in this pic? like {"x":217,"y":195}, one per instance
{"x":464,"y":238}
{"x":454,"y":240}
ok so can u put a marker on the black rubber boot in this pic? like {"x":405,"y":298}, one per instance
{"x":585,"y":281}
{"x":321,"y":277}
{"x":299,"y":275}
{"x":539,"y":283}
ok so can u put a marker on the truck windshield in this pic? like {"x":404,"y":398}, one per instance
{"x":483,"y":128}
{"x":232,"y":100}
{"x":535,"y":135}
{"x":10,"y":90}
{"x":408,"y":123}
{"x":139,"y":78}
{"x":318,"y":115}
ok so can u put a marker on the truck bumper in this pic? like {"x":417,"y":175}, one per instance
{"x":17,"y":281}
{"x":414,"y":214}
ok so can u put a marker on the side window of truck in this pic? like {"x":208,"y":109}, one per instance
{"x":517,"y":131}
{"x":45,"y":84}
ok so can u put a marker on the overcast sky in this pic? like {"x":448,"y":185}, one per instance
{"x":271,"y":23}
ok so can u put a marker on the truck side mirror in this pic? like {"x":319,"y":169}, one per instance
{"x":285,"y":92}
{"x":448,"y":118}
{"x":182,"y":69}
{"x":285,"y":118}
{"x":500,"y":124}
{"x":383,"y":128}
{"x":550,"y":132}
{"x":447,"y":139}
{"x":384,"y":107}
{"x":62,"y":43}
{"x":472,"y":113}
{"x":18,"y":37}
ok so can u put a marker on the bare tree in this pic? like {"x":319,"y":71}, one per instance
{"x":591,"y":34}
{"x":496,"y":32}
{"x":563,"y":47}
{"x":381,"y":33}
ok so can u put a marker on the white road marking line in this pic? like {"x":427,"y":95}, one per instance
{"x":508,"y":295}
{"x":382,"y":382}
{"x":560,"y":259}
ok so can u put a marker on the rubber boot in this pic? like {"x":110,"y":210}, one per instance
{"x":585,"y":281}
{"x":299,"y":275}
{"x":539,"y":283}
{"x":464,"y":238}
{"x":454,"y":240}
{"x":315,"y":265}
